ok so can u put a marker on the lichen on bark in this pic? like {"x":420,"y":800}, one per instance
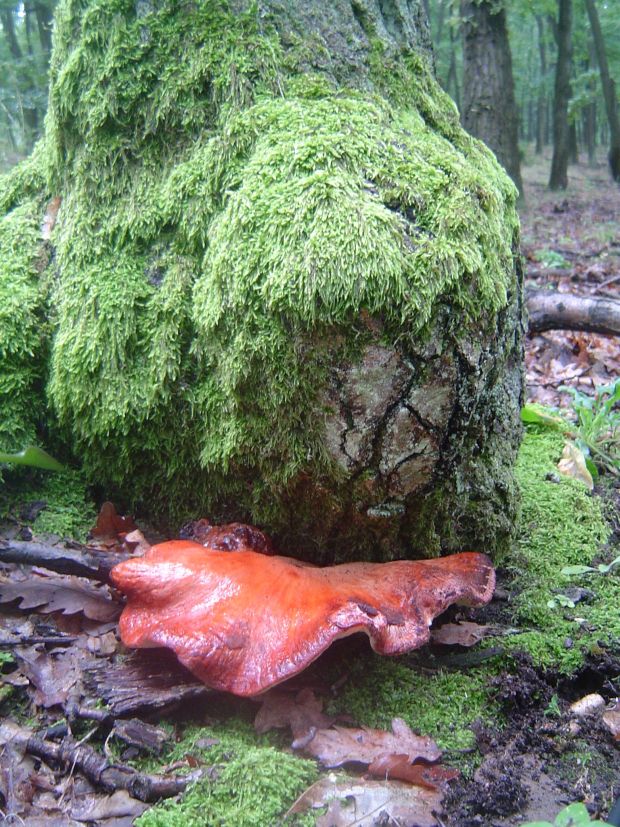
{"x":261,"y":213}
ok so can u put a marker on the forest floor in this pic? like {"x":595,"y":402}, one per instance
{"x":571,"y":243}
{"x":88,"y":731}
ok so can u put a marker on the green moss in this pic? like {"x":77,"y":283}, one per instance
{"x":441,"y":704}
{"x":25,"y":181}
{"x":254,"y":783}
{"x":23,"y":329}
{"x":561,"y":524}
{"x":69,"y":510}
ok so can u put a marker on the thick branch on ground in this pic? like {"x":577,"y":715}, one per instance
{"x":83,"y":562}
{"x":564,"y":311}
{"x":110,"y":777}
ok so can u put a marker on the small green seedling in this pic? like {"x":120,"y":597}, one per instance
{"x":561,"y":601}
{"x":553,"y":709}
{"x":33,"y":457}
{"x":575,"y":815}
{"x":551,"y":259}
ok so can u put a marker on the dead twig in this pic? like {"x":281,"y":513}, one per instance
{"x":70,"y":755}
{"x":85,"y":562}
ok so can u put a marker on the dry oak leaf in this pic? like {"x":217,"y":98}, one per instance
{"x":302,"y":713}
{"x":111,"y":527}
{"x":431,"y":776}
{"x":465,"y":633}
{"x":60,"y":593}
{"x":611,"y":719}
{"x":573,"y":464}
{"x":366,"y":803}
{"x":53,"y":677}
{"x":341,"y":745}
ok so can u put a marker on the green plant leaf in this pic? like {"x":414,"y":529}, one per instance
{"x":605,"y":568}
{"x":34,"y":457}
{"x":574,"y":815}
{"x":591,"y":466}
{"x":534,"y":414}
{"x":570,"y":571}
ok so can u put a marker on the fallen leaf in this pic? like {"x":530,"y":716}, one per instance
{"x":573,"y":464}
{"x":102,"y":645}
{"x":137,"y":542}
{"x":341,"y":745}
{"x":302,"y":713}
{"x":117,"y":805}
{"x":611,"y":719}
{"x":111,"y":527}
{"x":54,"y":677}
{"x":588,"y":705}
{"x":366,"y":803}
{"x":61,"y":593}
{"x":431,"y":776}
{"x":459,"y":634}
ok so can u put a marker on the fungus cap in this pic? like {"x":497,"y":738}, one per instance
{"x":242,"y":621}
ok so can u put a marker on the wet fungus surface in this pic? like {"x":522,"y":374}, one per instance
{"x":243,"y":621}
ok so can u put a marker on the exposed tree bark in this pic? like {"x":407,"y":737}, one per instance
{"x":489,"y":109}
{"x":558,"y":179}
{"x":573,"y":143}
{"x":151,"y":679}
{"x":541,"y":103}
{"x":563,"y":311}
{"x":609,"y":90}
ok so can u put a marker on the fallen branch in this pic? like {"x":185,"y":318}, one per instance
{"x":83,"y":562}
{"x":70,"y":754}
{"x":565,"y":311}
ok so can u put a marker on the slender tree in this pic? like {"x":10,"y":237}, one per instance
{"x":489,"y":109}
{"x":558,"y":180}
{"x":541,"y":103}
{"x":609,"y":89}
{"x":29,"y":110}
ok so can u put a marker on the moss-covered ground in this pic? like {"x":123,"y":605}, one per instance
{"x":251,"y":782}
{"x":49,"y":504}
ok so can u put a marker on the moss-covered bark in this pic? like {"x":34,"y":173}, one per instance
{"x":284,"y":281}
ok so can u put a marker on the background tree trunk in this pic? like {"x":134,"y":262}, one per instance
{"x":287,"y":283}
{"x":30,"y":114}
{"x":558,"y":179}
{"x":541,"y":103}
{"x":609,"y":90}
{"x":489,"y":109}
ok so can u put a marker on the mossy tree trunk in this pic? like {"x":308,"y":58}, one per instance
{"x":283,"y":285}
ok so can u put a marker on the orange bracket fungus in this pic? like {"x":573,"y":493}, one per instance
{"x":243,"y":621}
